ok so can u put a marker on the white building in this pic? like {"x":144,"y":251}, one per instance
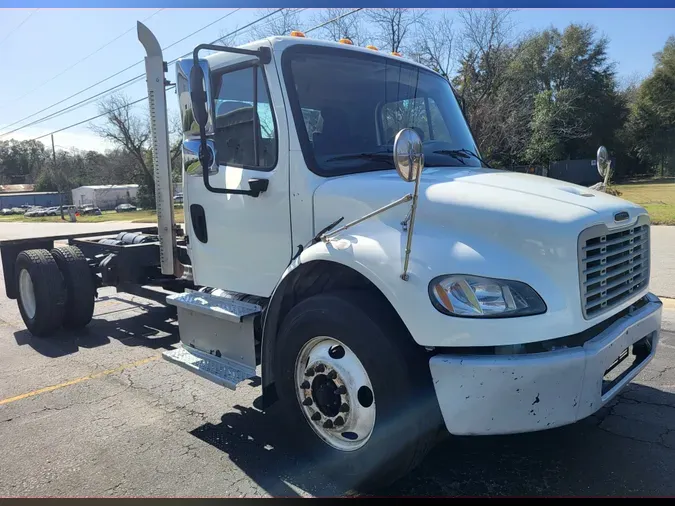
{"x":105,"y":196}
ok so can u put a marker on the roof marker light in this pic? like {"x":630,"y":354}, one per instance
{"x":371,"y":47}
{"x":395,"y":53}
{"x":345,"y":41}
{"x":297,"y":33}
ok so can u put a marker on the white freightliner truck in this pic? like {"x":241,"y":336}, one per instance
{"x":342,"y":233}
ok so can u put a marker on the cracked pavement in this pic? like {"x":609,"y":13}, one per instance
{"x":135,"y":425}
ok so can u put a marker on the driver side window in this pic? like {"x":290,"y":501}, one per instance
{"x":235,"y":135}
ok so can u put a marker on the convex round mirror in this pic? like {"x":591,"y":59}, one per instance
{"x":602,"y":160}
{"x":408,"y":156}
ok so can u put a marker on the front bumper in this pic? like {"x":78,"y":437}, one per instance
{"x":506,"y":394}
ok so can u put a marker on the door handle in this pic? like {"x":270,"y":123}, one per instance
{"x":257,"y":186}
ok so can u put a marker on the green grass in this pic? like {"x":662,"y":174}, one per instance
{"x":134,"y":216}
{"x":658,"y":197}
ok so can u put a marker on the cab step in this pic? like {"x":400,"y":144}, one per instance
{"x":219,"y":370}
{"x":212,"y":305}
{"x":217,"y":337}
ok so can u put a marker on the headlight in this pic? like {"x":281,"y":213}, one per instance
{"x":473,"y":296}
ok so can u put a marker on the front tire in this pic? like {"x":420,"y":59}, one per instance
{"x":41,"y":291}
{"x":354,"y":388}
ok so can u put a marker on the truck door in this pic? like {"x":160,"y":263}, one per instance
{"x":238,"y":242}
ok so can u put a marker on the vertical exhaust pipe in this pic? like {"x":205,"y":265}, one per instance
{"x":159,"y":130}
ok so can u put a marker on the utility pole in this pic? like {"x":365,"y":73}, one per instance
{"x":58,"y":184}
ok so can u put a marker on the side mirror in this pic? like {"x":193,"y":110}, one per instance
{"x":198,"y":96}
{"x":408,"y":155}
{"x":602,"y":160}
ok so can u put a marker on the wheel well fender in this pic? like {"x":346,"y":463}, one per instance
{"x":299,"y":282}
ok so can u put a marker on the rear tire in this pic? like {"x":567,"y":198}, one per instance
{"x":404,"y":418}
{"x":41,"y":291}
{"x":80,"y":288}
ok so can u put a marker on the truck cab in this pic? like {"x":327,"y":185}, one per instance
{"x":345,"y":240}
{"x":520,"y":291}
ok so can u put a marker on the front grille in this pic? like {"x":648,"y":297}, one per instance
{"x":613,"y":265}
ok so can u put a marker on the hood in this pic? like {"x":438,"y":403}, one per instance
{"x":470,"y":197}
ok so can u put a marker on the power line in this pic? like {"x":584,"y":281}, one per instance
{"x":220,"y":39}
{"x":176,"y":59}
{"x":87,"y":101}
{"x":96,"y":117}
{"x":337,"y":18}
{"x":102,"y":81}
{"x":20,"y":25}
{"x":86,"y":57}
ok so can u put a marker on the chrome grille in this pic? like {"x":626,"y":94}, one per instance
{"x":613,"y":265}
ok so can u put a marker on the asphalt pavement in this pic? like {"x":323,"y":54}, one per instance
{"x":99,"y":413}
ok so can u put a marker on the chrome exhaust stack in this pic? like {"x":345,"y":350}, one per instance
{"x":159,"y":130}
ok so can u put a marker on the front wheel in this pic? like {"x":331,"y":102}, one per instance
{"x":355,"y":389}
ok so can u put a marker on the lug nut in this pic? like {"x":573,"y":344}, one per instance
{"x":307,"y":402}
{"x":309,"y":372}
{"x":304,"y":385}
{"x":341,"y":390}
{"x":316,"y":416}
{"x":336,"y":352}
{"x":320,"y":368}
{"x":339,"y":421}
{"x":328,"y":424}
{"x":332,"y":375}
{"x":344,"y":408}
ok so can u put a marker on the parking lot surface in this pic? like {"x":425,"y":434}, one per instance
{"x":99,"y":413}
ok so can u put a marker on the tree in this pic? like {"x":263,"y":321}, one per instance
{"x":21,"y":161}
{"x":340,"y":24}
{"x":281,"y":23}
{"x":652,"y":117}
{"x":484,"y":45}
{"x":575,"y":89}
{"x":494,"y":99}
{"x":132,"y":134}
{"x":394,"y":27}
{"x":435,"y":48}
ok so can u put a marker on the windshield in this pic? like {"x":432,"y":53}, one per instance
{"x":348,"y":107}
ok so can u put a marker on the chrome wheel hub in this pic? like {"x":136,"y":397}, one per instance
{"x":335,"y":393}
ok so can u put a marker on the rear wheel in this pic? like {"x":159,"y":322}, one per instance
{"x":80,"y":288}
{"x":355,"y":389}
{"x":41,"y":291}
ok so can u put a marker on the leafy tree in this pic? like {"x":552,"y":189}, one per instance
{"x":652,"y":118}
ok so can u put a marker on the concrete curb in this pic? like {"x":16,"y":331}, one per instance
{"x":668,"y":303}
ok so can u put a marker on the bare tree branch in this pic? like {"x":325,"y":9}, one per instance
{"x":435,"y":48}
{"x":127,"y":131}
{"x":393,"y":27}
{"x":283,"y":23}
{"x":344,"y":26}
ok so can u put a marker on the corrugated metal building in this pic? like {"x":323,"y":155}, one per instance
{"x":17,"y":195}
{"x":105,"y":196}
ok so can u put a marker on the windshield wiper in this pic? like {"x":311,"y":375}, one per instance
{"x":458,"y":154}
{"x":382,"y":156}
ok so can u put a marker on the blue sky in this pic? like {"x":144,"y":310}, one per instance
{"x":51,"y":40}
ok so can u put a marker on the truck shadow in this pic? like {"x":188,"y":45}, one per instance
{"x":608,"y":454}
{"x":154,"y":329}
{"x":256,"y":443}
{"x":621,"y":450}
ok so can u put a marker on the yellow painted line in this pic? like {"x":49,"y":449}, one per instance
{"x":78,"y":380}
